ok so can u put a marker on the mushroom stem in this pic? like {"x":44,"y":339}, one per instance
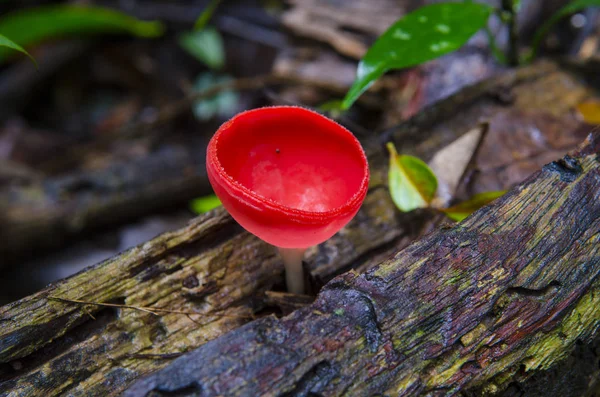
{"x":294,"y":272}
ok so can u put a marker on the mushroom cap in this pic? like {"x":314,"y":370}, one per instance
{"x":288,"y":175}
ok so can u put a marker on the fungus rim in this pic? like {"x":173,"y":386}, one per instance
{"x":255,"y":199}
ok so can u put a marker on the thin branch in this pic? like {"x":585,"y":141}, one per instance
{"x":172,"y":111}
{"x":153,"y":356}
{"x":152,"y":310}
{"x":496,"y":52}
{"x":183,"y":105}
{"x":89,"y":313}
{"x":471,"y":165}
{"x":143,"y":309}
{"x":509,"y":7}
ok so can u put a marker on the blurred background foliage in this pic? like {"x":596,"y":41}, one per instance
{"x":102,"y":143}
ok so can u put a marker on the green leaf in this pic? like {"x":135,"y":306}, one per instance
{"x":332,"y":108}
{"x":205,"y":204}
{"x":412,"y":184}
{"x":496,"y":52}
{"x":206,"y":15}
{"x":206,"y":46}
{"x":517,"y":5}
{"x":572,"y":7}
{"x":420,"y":36}
{"x":6,"y":42}
{"x":224,"y":104}
{"x":32,"y":25}
{"x":333,"y":105}
{"x":460,"y":211}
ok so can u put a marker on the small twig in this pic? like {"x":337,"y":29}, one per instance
{"x":509,"y":7}
{"x":245,"y":83}
{"x":496,"y":52}
{"x":153,"y":356}
{"x":182,"y":106}
{"x":89,"y":313}
{"x":143,"y":309}
{"x":152,"y":310}
{"x":194,"y":321}
{"x":485,"y":127}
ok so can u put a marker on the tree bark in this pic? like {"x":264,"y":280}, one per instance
{"x":504,"y":294}
{"x":212,"y":276}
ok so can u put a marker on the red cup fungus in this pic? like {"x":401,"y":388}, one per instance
{"x":290,"y":176}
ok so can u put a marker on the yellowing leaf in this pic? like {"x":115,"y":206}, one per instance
{"x":590,"y":111}
{"x":460,"y":211}
{"x":205,"y":204}
{"x":412,"y":184}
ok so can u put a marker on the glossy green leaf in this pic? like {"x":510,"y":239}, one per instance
{"x":32,"y":25}
{"x":6,"y":42}
{"x":412,"y":184}
{"x":205,"y":204}
{"x":206,"y":46}
{"x":206,"y":15}
{"x":420,"y":36}
{"x":460,"y":211}
{"x":572,"y":7}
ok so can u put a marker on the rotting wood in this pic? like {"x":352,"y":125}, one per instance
{"x":505,"y":293}
{"x":49,"y":347}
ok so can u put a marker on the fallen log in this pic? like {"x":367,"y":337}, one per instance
{"x":505,"y":293}
{"x":197,"y":283}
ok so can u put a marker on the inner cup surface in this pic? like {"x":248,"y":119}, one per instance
{"x":305,"y":163}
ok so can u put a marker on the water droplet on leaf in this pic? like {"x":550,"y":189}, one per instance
{"x":445,"y":29}
{"x":401,"y":35}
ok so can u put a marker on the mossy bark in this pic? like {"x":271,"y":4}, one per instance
{"x":506,"y":293}
{"x":219,"y":274}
